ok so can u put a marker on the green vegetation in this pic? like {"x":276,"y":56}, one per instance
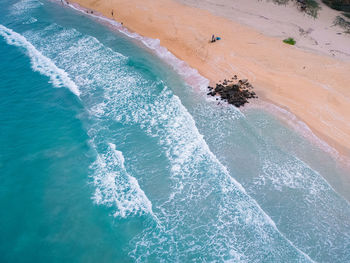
{"x":340,"y":5}
{"x":281,"y":2}
{"x":310,"y":7}
{"x":289,"y":41}
{"x":339,"y":21}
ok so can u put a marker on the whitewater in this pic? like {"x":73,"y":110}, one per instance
{"x":129,"y":161}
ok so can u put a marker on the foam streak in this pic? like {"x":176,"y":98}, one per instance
{"x":40,"y":63}
{"x":116,"y":187}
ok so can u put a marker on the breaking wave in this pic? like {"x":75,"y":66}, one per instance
{"x":40,"y":63}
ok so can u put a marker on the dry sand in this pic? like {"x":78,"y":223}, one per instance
{"x":283,"y":21}
{"x":311,"y":81}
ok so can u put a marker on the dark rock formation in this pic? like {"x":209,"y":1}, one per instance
{"x":234,"y":92}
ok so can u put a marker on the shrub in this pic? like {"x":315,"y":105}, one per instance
{"x":339,"y":21}
{"x":340,"y":5}
{"x":310,"y":7}
{"x":289,"y":41}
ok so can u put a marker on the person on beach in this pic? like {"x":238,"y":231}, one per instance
{"x":112,"y":12}
{"x":213,"y":38}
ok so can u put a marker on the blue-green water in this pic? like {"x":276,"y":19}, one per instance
{"x":106,"y":155}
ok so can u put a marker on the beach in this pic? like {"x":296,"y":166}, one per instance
{"x":310,"y":81}
{"x":113,"y":151}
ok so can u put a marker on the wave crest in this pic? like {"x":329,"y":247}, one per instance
{"x":40,"y":63}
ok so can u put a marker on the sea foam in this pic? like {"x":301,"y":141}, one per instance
{"x":115,"y":187}
{"x":197,"y":176}
{"x":190,"y":75}
{"x":207,"y":211}
{"x":23,"y":7}
{"x":189,"y":154}
{"x":40,"y":63}
{"x":196,"y":173}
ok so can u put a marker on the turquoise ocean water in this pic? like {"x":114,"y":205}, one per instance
{"x":106,"y":155}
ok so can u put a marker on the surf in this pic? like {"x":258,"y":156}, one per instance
{"x":58,"y":77}
{"x":160,"y":115}
{"x":115,"y":186}
{"x":157,"y":158}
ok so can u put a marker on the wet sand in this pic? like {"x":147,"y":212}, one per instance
{"x":312,"y":83}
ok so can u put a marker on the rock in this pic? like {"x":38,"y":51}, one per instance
{"x":233,"y":93}
{"x":212,"y":93}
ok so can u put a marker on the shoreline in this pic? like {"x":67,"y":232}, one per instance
{"x":267,"y":95}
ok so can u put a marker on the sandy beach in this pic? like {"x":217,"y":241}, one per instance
{"x":311,"y":79}
{"x":115,"y":147}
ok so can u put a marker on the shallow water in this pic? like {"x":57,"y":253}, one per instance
{"x":108,"y":156}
